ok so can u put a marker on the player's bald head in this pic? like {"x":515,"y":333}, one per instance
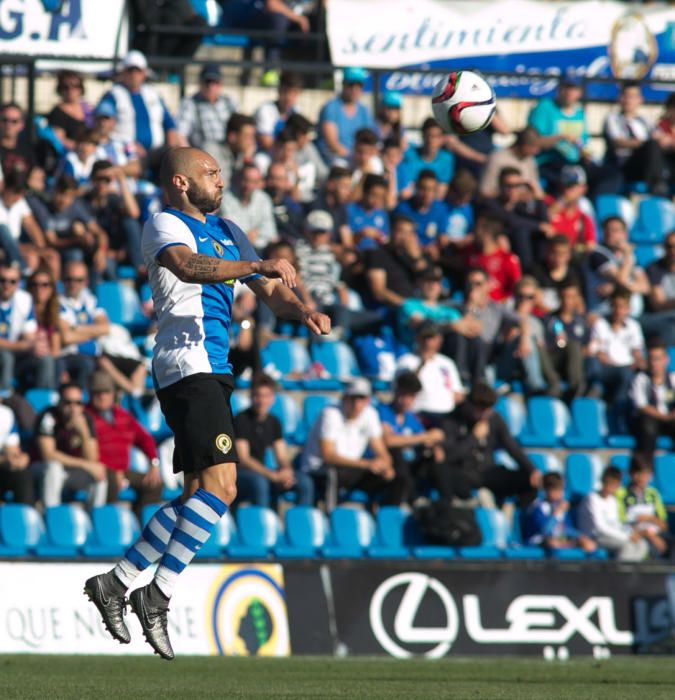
{"x":181,"y":161}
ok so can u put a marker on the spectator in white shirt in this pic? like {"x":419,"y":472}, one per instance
{"x":652,"y":394}
{"x":442,"y":388}
{"x":598,"y":518}
{"x":631,"y":153}
{"x":16,"y":218}
{"x":14,"y":474}
{"x":251,"y":208}
{"x":271,"y":117}
{"x":203,"y":117}
{"x":18,"y":333}
{"x":617,"y":347}
{"x":341,"y":438}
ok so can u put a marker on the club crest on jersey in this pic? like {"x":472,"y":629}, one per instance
{"x":224,"y":443}
{"x":218,"y":248}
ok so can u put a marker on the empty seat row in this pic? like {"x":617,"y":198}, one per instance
{"x":256,"y":533}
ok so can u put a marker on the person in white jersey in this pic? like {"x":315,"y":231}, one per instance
{"x":194,"y":260}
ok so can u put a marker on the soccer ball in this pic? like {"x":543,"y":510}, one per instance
{"x":463,"y":102}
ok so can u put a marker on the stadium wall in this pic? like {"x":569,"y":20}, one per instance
{"x":342,"y":608}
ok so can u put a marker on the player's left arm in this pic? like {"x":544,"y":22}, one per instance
{"x":284,"y":303}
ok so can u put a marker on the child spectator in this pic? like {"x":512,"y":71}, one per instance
{"x":548,"y":522}
{"x":461,"y":193}
{"x":396,"y":169}
{"x":259,"y":433}
{"x":652,"y":395}
{"x":79,"y":162}
{"x":566,"y":215}
{"x":368,"y":218}
{"x":388,"y":121}
{"x":641,"y":506}
{"x":598,"y":518}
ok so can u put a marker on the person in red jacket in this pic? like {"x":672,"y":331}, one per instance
{"x":487,"y":252}
{"x":117,"y":432}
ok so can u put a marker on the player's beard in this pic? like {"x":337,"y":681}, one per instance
{"x":201,"y":200}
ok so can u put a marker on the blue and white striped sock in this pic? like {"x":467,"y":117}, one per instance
{"x":151,"y":543}
{"x":196,"y":521}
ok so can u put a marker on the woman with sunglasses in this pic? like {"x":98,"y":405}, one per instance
{"x":46,"y":308}
{"x":72,"y":113}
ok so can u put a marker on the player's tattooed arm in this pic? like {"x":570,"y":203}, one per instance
{"x":195,"y":268}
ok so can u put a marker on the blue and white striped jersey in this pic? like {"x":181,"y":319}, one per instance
{"x":193,"y":319}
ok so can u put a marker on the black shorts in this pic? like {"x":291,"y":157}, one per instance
{"x":197,"y":409}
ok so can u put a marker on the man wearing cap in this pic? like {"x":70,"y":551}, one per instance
{"x":271,"y":117}
{"x":561,"y":125}
{"x":442,"y":387}
{"x":203,"y":117}
{"x":117,"y":431}
{"x":338,"y":442}
{"x":142,"y":117}
{"x":388,"y":124}
{"x":341,"y":117}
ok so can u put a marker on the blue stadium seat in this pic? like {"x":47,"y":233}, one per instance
{"x":494,"y":529}
{"x":575,"y":554}
{"x":223,"y":535}
{"x":306,"y":532}
{"x":39,"y":399}
{"x":548,"y":420}
{"x":68,"y":528}
{"x":285,"y":356}
{"x":589,"y":424}
{"x":664,"y":476}
{"x":393,"y":534}
{"x":286,"y":409}
{"x":614,"y":205}
{"x":122,"y":305}
{"x":620,"y":461}
{"x":148,"y":512}
{"x":582,"y":474}
{"x":656,"y":217}
{"x":351,"y":531}
{"x":647,"y":253}
{"x":114,"y":529}
{"x":21,"y":529}
{"x":515,"y":548}
{"x":311,"y":408}
{"x":512,"y":410}
{"x":239,"y":401}
{"x":338,"y":360}
{"x":258,"y":530}
{"x":545,"y":462}
{"x":153,"y":421}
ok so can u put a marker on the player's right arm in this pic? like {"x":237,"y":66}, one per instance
{"x":196,"y":268}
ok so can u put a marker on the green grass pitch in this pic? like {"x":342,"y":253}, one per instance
{"x":195,"y":678}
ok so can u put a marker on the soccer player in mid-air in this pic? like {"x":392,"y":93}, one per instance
{"x":193,"y":261}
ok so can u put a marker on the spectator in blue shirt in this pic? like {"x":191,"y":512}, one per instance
{"x":142,"y":116}
{"x":410,"y":445}
{"x":461,"y":193}
{"x":397,"y":169}
{"x":429,"y":214}
{"x":561,"y":125}
{"x":548,"y":522}
{"x":341,"y":117}
{"x":367,"y":218}
{"x":432,"y":156}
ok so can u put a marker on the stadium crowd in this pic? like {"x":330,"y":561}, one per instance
{"x":457,"y":272}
